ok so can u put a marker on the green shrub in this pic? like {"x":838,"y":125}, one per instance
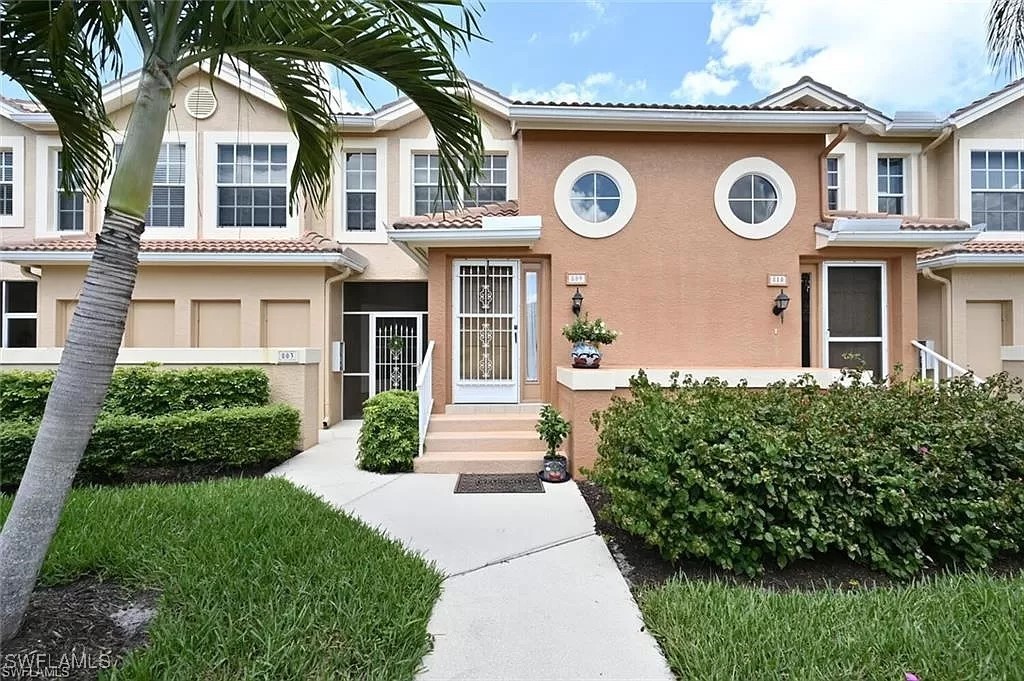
{"x":390,"y":437}
{"x":896,"y":476}
{"x":144,"y":391}
{"x":238,"y":436}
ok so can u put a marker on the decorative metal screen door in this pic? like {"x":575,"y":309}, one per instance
{"x":396,"y":352}
{"x":485,"y":332}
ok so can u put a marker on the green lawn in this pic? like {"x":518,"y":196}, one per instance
{"x":957,"y":627}
{"x":259,"y":581}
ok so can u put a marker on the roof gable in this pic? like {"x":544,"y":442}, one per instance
{"x":990,"y":103}
{"x":807,"y":90}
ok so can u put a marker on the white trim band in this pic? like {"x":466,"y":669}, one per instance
{"x":612,"y":378}
{"x":250,"y":355}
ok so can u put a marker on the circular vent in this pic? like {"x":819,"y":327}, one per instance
{"x":200,"y":102}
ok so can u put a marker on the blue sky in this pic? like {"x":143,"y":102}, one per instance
{"x":893,"y":54}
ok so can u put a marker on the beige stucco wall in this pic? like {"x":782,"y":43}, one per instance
{"x":990,"y":284}
{"x":26,"y":230}
{"x":683,"y":289}
{"x":931,"y":317}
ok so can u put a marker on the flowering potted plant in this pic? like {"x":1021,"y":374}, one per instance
{"x":587,"y":337}
{"x":553,"y":429}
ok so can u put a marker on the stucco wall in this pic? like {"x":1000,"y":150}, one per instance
{"x":986,"y":284}
{"x":931,"y":313}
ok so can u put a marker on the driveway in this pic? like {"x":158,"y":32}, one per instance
{"x":530,"y":591}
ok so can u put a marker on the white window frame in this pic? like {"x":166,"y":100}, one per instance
{"x":17,"y":148}
{"x":785,"y":193}
{"x":210,"y":229}
{"x":966,"y":146}
{"x":191,"y":230}
{"x":407,"y":147}
{"x":911,"y":155}
{"x":563,"y":196}
{"x":5,"y":315}
{"x":846,"y":152}
{"x":47,"y":147}
{"x":380,"y":234}
{"x":826,"y":338}
{"x":838,"y":186}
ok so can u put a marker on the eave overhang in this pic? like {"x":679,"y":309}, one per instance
{"x":911,"y":238}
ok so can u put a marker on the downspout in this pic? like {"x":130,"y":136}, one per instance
{"x":947,"y":299}
{"x":931,"y":146}
{"x":326,"y":358}
{"x":26,"y":271}
{"x":844,"y":130}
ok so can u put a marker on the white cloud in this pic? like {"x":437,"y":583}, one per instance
{"x":533,"y":38}
{"x":598,"y":7}
{"x":602,"y":86}
{"x":341,"y":103}
{"x":893,"y":54}
{"x":577,"y":37}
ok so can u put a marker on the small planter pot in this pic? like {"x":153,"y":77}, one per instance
{"x":585,"y":355}
{"x":556,"y":469}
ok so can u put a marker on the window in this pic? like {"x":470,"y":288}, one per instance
{"x":997,"y":190}
{"x":167,"y":205}
{"x":891,"y":194}
{"x":361,"y":191}
{"x":753,"y":199}
{"x":252,"y":185}
{"x":491,"y":185}
{"x":18,"y":307}
{"x":595,"y":196}
{"x":6,"y":182}
{"x":832,"y":182}
{"x":492,"y":182}
{"x":70,"y":206}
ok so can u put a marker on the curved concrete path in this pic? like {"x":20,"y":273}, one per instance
{"x":530,"y":591}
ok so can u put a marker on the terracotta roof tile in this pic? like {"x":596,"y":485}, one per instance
{"x":310,"y":242}
{"x":684,"y":107}
{"x":466,"y":218}
{"x":982,"y":246}
{"x":909,"y":222}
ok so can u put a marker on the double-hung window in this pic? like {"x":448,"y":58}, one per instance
{"x":832,"y":182}
{"x":252,"y":185}
{"x":491,"y":184}
{"x":6,"y":182}
{"x":18,"y":312}
{"x":997,"y":190}
{"x":70,"y":205}
{"x":361,"y":191}
{"x":167,"y":204}
{"x":891,"y":185}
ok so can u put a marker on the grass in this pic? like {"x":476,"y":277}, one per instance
{"x":259,"y":580}
{"x":959,"y":627}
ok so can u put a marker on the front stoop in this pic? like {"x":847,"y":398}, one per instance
{"x":483,"y":438}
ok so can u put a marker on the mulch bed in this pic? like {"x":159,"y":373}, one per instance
{"x":644,"y":566}
{"x":78,"y":630}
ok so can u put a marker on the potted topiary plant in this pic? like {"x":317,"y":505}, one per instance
{"x":587,"y":337}
{"x":553,"y":429}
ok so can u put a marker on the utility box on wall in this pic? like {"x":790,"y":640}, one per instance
{"x":337,"y":356}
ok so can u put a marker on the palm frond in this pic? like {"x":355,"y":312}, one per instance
{"x":55,"y":51}
{"x":407,"y":43}
{"x":1006,"y":36}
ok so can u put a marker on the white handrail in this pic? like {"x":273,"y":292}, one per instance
{"x":929,"y":359}
{"x":425,"y":391}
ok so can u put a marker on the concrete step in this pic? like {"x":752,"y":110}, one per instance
{"x":479,"y":462}
{"x":526,"y":408}
{"x":447,"y":423}
{"x":484,"y":442}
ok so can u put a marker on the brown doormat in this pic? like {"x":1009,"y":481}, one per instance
{"x":499,"y":483}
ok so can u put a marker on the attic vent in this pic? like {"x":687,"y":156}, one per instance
{"x":200,"y":102}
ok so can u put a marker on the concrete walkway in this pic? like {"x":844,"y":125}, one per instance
{"x":531,"y":592}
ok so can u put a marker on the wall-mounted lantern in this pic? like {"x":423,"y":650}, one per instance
{"x":577,"y":302}
{"x":781,"y":303}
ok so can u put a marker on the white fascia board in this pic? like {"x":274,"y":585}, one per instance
{"x":756,"y":377}
{"x":329,"y":259}
{"x":401,"y":111}
{"x":511,"y":222}
{"x":555,"y":117}
{"x":193,"y":356}
{"x":985,"y":108}
{"x":466,"y":236}
{"x":973,"y":260}
{"x":921,"y":238}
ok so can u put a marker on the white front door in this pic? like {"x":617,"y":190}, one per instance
{"x":485,"y":331}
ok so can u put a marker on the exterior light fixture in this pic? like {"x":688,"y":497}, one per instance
{"x":577,"y":302}
{"x":781,"y":303}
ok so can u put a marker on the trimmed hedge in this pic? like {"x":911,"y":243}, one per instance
{"x":238,"y":436}
{"x":144,"y":391}
{"x":898,"y":476}
{"x":390,"y":436}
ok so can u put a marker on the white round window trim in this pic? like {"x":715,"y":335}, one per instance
{"x":563,"y":193}
{"x":784,"y":189}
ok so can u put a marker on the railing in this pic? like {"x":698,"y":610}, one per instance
{"x":939,"y":367}
{"x":425,"y":391}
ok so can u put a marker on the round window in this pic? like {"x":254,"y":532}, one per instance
{"x":595,"y":197}
{"x":753,"y":199}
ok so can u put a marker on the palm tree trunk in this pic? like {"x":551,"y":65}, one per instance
{"x":87,"y":364}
